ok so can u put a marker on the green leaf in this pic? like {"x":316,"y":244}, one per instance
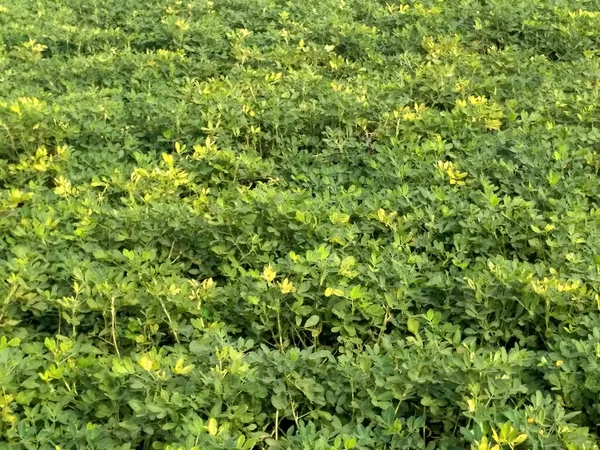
{"x":349,"y":443}
{"x":14,"y":342}
{"x":279,"y":401}
{"x":137,"y":405}
{"x":413,"y":325}
{"x":311,"y":321}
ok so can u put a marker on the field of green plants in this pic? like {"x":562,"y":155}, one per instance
{"x":312,"y":225}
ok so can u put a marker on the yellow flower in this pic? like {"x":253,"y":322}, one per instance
{"x":286,"y":286}
{"x":268,"y":273}
{"x":559,"y":363}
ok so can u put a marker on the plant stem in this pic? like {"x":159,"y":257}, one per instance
{"x":113,"y":326}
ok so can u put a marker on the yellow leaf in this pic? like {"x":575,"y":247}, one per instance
{"x":269,"y":274}
{"x":331,"y":291}
{"x":212,"y":426}
{"x":337,"y":240}
{"x":337,"y":217}
{"x":208,"y":283}
{"x":493,"y":124}
{"x":336,"y":86}
{"x":472,"y":405}
{"x":6,"y":399}
{"x":180,"y":369}
{"x":168,"y":159}
{"x":495,"y":436}
{"x":520,"y":439}
{"x":146,"y":363}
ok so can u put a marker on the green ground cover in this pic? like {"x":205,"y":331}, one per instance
{"x":320,"y":224}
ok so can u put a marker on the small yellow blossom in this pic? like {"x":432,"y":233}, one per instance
{"x":268,"y":273}
{"x":286,"y":286}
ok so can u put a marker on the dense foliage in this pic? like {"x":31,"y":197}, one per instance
{"x":320,"y":224}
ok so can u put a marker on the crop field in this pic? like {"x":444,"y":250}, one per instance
{"x":311,"y":225}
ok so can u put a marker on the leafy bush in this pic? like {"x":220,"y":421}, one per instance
{"x":327,"y":224}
